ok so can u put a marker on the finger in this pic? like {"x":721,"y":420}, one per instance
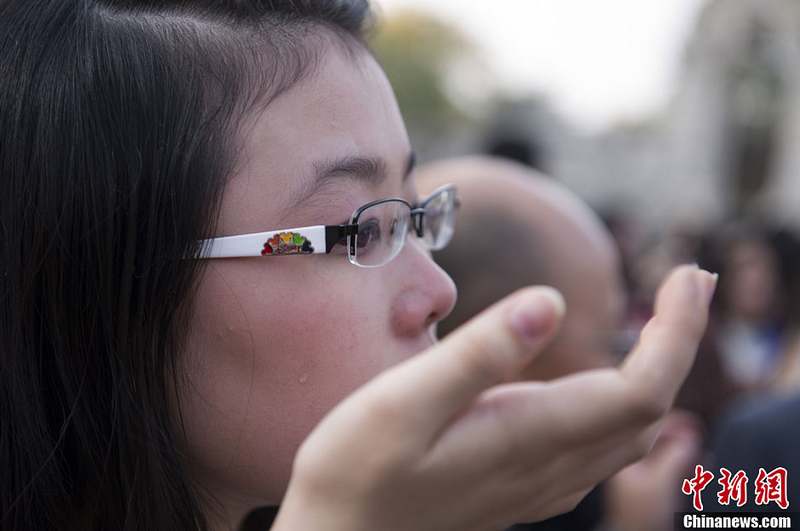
{"x":491,"y":348}
{"x":607,"y":457}
{"x":538,"y":511}
{"x":680,"y":426}
{"x":593,"y":404}
{"x":678,"y":455}
{"x":681,"y":421}
{"x":565,"y":413}
{"x":567,"y":504}
{"x":574,"y":471}
{"x":512,"y":425}
{"x":666,"y":350}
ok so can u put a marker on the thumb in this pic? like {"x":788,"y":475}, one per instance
{"x":491,"y":348}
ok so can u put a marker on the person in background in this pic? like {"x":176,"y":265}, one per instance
{"x":759,"y":433}
{"x":517,"y":227}
{"x":751,"y":329}
{"x":708,"y":389}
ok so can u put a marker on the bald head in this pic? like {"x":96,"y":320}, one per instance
{"x":517,"y":228}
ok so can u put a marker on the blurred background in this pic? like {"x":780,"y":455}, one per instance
{"x":684,"y":111}
{"x":678,"y":122}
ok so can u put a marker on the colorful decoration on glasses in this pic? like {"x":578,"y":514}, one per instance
{"x":285,"y":243}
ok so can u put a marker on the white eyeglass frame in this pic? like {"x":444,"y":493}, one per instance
{"x":314,"y":239}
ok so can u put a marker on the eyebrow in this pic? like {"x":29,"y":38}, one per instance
{"x":371,"y":171}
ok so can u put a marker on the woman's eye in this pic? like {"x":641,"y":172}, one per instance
{"x":369,"y":232}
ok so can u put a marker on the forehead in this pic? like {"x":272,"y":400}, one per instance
{"x":344,"y":107}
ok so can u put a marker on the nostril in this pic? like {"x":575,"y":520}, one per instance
{"x":433,"y":318}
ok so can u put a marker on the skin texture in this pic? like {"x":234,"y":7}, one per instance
{"x":574,"y":253}
{"x":463,"y":449}
{"x":278,"y":341}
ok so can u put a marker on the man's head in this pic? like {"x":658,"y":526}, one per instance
{"x":516,"y":228}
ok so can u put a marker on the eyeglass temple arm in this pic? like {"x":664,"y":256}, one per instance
{"x":337,"y":234}
{"x":256,"y":244}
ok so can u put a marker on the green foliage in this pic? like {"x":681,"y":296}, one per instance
{"x":415,"y":50}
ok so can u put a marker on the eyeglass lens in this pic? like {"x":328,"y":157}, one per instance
{"x":439,"y":219}
{"x":381,"y":233}
{"x":382,"y":229}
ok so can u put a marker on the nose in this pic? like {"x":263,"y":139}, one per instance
{"x":426,"y":296}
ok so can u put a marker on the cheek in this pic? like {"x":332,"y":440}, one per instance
{"x":265,"y":363}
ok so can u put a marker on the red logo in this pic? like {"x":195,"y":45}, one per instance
{"x":696,"y":485}
{"x":734,"y":488}
{"x":769,"y":487}
{"x":772,"y":487}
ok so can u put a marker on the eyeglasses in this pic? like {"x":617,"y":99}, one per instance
{"x":375,"y":235}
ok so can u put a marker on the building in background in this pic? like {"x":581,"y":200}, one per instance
{"x":734,"y":127}
{"x":726,"y":147}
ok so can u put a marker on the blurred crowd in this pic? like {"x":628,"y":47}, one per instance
{"x":518,"y":227}
{"x":751,"y":345}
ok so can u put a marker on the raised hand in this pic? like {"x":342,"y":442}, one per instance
{"x":442,"y":442}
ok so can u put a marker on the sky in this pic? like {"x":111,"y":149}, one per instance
{"x":597,"y":62}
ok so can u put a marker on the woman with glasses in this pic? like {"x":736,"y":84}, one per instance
{"x":217,"y":292}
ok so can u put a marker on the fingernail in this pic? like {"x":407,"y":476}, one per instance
{"x":532,"y":318}
{"x":707,"y":285}
{"x":712,"y":286}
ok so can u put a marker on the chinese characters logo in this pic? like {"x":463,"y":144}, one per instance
{"x":769,"y":487}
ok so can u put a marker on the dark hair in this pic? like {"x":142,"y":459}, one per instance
{"x":119,"y":122}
